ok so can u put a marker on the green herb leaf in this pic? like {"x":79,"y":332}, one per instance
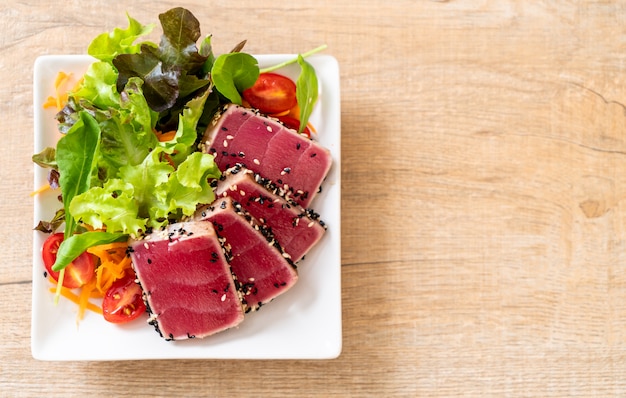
{"x":234,"y":72}
{"x":75,"y":245}
{"x":76,"y":160}
{"x":306,"y":91}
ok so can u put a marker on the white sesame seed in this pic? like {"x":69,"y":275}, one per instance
{"x":224,"y":297}
{"x":242,"y":193}
{"x":146,"y":245}
{"x":225,"y":143}
{"x":269,"y":128}
{"x":229,"y":137}
{"x":286,"y":255}
{"x":256,"y":161}
{"x":312,"y":223}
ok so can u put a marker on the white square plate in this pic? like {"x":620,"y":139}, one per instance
{"x":303,"y":323}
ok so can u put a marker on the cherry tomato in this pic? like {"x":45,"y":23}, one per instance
{"x":123,"y":302}
{"x":293,"y":123}
{"x":271,"y":93}
{"x":77,"y":273}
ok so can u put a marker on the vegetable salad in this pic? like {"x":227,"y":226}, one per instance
{"x":128,"y":162}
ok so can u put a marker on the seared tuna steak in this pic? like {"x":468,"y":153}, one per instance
{"x":262,"y":269}
{"x":296,"y":229}
{"x":188,"y":285}
{"x":290,"y":160}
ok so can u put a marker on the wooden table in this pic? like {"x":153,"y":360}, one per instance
{"x":483,"y":212}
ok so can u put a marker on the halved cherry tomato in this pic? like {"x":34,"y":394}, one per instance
{"x":294,"y":124}
{"x":123,"y":302}
{"x":271,"y":93}
{"x":77,"y":273}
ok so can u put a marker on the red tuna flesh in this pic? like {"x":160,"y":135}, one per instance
{"x":187,"y":282}
{"x":262,"y":269}
{"x":290,"y":160}
{"x":296,"y":229}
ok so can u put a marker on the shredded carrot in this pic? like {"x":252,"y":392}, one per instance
{"x":114,"y":264}
{"x":61,"y":91}
{"x":294,"y":112}
{"x":68,"y":294}
{"x":41,"y":189}
{"x":284,"y":113}
{"x":167,"y":136}
{"x":60,"y":99}
{"x":83,"y":297}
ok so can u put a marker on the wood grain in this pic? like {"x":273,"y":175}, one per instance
{"x":484,"y":177}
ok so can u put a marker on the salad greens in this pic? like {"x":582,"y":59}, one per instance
{"x":306,"y":92}
{"x":117,"y":177}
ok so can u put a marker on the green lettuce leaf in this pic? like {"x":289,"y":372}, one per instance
{"x":120,"y":41}
{"x":127,"y":131}
{"x":186,"y":133}
{"x":190,"y":184}
{"x":111,"y":206}
{"x":99,"y":86}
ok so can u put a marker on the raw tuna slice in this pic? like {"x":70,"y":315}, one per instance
{"x":296,"y":229}
{"x":261,"y":267}
{"x":290,"y":160}
{"x":188,"y":285}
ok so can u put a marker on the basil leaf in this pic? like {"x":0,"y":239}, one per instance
{"x":75,"y":245}
{"x":306,"y":91}
{"x":234,"y":72}
{"x":76,"y":161}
